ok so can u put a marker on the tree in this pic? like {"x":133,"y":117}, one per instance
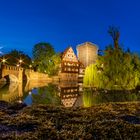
{"x":116,"y":69}
{"x":54,"y":65}
{"x":42,"y":50}
{"x":47,"y":95}
{"x":17,"y":58}
{"x":45,"y":58}
{"x":115,"y":34}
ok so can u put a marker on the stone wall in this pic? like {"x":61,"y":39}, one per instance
{"x":31,"y":75}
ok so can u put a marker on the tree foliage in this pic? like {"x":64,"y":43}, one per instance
{"x":14,"y":57}
{"x":92,"y":97}
{"x":42,"y":50}
{"x":45,"y":58}
{"x":116,"y":69}
{"x":47,"y":95}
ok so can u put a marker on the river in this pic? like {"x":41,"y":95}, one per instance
{"x":66,"y":94}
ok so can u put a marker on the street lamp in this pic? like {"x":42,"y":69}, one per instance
{"x":30,"y":66}
{"x":3,"y":60}
{"x":20,"y":61}
{"x":17,"y":65}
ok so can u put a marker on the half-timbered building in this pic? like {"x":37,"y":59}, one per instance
{"x":69,"y":66}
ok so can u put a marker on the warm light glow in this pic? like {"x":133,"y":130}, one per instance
{"x":20,"y":101}
{"x":3,"y":60}
{"x":20,"y":61}
{"x":17,"y":65}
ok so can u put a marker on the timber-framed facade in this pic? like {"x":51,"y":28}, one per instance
{"x":70,"y":66}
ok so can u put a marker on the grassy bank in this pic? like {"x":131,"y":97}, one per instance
{"x":42,"y":122}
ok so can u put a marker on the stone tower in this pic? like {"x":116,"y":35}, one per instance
{"x":87,"y":53}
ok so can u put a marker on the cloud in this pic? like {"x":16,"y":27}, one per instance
{"x":1,"y":46}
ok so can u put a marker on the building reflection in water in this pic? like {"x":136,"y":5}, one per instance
{"x":17,"y":91}
{"x":70,"y":94}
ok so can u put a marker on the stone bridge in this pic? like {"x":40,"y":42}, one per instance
{"x":18,"y":74}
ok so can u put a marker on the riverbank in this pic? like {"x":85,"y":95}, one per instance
{"x":41,"y":122}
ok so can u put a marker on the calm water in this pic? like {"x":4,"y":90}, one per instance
{"x":66,"y":94}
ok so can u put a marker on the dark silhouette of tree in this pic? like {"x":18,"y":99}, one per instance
{"x":45,"y":58}
{"x":42,"y":50}
{"x":115,"y":34}
{"x":17,"y":58}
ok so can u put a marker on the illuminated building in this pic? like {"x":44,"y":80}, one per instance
{"x":87,"y":53}
{"x":70,"y":66}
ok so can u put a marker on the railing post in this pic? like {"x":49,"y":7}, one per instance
{"x":20,"y":75}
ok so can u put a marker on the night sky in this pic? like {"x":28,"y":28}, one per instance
{"x":64,"y":23}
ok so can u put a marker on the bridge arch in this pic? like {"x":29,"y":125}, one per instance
{"x":18,"y":74}
{"x":10,"y":78}
{"x":13,"y":73}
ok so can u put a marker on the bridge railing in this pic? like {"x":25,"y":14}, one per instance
{"x":8,"y":67}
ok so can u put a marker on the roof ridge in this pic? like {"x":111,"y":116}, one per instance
{"x":87,"y":42}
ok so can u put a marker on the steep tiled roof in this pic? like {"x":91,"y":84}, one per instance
{"x":63,"y":54}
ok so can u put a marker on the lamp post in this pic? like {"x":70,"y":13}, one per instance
{"x":3,"y":61}
{"x":20,"y":61}
{"x":30,"y":66}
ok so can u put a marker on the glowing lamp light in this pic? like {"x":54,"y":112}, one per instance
{"x":17,"y":65}
{"x":20,"y":101}
{"x":20,"y":61}
{"x":3,"y":60}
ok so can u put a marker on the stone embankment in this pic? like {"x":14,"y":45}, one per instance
{"x":41,"y":122}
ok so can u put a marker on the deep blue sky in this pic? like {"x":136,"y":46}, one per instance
{"x":62,"y":23}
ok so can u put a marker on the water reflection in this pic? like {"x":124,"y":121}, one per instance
{"x":91,"y":97}
{"x":18,"y":91}
{"x":47,"y":95}
{"x":11,"y":92}
{"x":68,"y":94}
{"x":64,"y":93}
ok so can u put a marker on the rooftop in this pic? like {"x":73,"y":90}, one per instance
{"x":87,"y":43}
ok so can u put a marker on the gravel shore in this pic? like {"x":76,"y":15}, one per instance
{"x":111,"y":121}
